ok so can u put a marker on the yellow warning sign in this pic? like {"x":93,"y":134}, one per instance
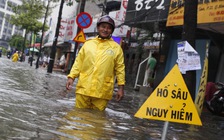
{"x":170,"y":101}
{"x":199,"y":101}
{"x":80,"y":37}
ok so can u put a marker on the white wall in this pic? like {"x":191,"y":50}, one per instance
{"x":68,"y":12}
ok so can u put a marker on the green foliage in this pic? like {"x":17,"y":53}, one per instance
{"x":4,"y":50}
{"x":28,"y":14}
{"x":38,"y":39}
{"x":17,"y":41}
{"x":70,"y":2}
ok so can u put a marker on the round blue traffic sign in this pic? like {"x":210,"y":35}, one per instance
{"x":83,"y":20}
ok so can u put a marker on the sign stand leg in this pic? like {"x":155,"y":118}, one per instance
{"x":165,"y":127}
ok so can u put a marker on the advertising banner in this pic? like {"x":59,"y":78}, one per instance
{"x":119,"y":17}
{"x":208,"y":12}
{"x":62,"y":29}
{"x":70,"y":28}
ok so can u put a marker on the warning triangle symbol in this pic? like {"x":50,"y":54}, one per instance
{"x":80,"y":37}
{"x":170,"y":101}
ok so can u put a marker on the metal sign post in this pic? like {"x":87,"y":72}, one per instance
{"x":165,"y":127}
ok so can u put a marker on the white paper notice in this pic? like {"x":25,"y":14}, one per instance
{"x":188,"y":58}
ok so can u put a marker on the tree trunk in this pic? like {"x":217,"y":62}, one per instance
{"x":189,"y":34}
{"x":42,"y":35}
{"x":32,"y":43}
{"x":24,"y":44}
{"x":54,"y":46}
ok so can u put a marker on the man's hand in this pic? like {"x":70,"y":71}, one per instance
{"x":69,"y":83}
{"x":120,"y":93}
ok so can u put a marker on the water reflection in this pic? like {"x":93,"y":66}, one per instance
{"x":94,"y":125}
{"x":85,"y":124}
{"x":115,"y":123}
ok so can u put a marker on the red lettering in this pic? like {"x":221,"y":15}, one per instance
{"x":70,"y":33}
{"x":61,"y":34}
{"x":69,"y":28}
{"x":62,"y":27}
{"x":219,"y":19}
{"x":220,"y":12}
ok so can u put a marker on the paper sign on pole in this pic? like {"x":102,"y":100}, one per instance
{"x":170,"y":101}
{"x":188,"y":58}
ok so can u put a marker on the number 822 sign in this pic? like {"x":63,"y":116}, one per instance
{"x":148,"y":4}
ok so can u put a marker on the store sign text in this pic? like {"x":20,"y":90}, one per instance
{"x":148,"y":4}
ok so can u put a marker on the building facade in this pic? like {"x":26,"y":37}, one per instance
{"x":7,"y":30}
{"x":167,"y":17}
{"x":68,"y":26}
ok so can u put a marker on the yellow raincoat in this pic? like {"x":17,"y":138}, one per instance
{"x":15,"y":57}
{"x":96,"y":65}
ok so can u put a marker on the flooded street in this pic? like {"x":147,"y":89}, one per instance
{"x":35,"y":105}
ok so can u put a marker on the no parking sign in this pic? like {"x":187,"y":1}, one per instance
{"x":84,"y":20}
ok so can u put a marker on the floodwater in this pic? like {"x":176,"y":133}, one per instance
{"x":34,"y":105}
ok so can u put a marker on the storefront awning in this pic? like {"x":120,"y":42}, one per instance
{"x":36,"y":45}
{"x":59,"y":44}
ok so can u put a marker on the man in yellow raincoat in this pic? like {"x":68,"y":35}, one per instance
{"x":15,"y":57}
{"x":98,"y":62}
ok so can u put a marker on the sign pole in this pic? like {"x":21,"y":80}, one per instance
{"x":165,"y":127}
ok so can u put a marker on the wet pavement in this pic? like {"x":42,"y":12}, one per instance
{"x":34,"y":105}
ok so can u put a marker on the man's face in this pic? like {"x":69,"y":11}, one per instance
{"x":105,"y":30}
